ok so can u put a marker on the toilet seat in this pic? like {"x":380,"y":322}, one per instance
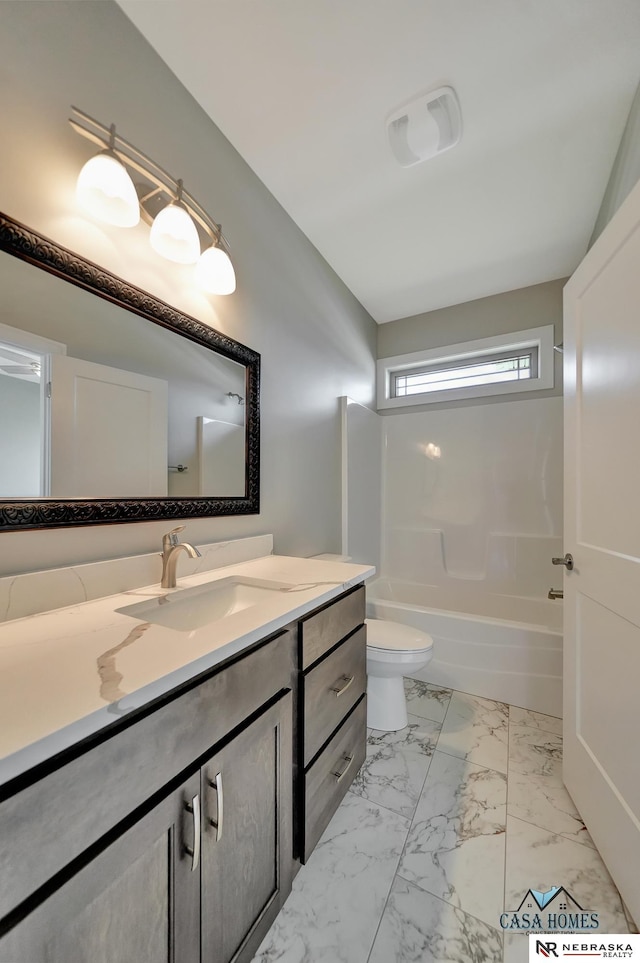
{"x":397,"y":638}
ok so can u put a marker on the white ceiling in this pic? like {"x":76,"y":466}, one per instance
{"x":302,"y":88}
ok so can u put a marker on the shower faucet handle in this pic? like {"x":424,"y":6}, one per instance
{"x":567,"y":560}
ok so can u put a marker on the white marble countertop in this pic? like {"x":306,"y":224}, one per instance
{"x":70,"y":672}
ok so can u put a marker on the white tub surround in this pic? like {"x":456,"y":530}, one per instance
{"x":497,"y":647}
{"x":361,"y":431}
{"x":473,"y":497}
{"x":69,"y":673}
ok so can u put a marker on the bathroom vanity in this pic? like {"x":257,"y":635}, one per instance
{"x":332,"y":720}
{"x":173,"y":830}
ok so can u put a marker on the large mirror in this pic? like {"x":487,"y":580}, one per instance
{"x":115,"y":407}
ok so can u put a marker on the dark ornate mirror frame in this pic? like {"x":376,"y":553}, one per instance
{"x":28,"y":513}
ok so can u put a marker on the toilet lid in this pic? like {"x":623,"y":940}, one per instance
{"x":393,"y":635}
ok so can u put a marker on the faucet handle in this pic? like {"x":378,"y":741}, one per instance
{"x":171,"y":538}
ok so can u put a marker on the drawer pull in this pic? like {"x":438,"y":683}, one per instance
{"x":340,"y":774}
{"x":195,"y":852}
{"x":217,"y":824}
{"x":342,"y":685}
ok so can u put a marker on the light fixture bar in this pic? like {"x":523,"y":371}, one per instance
{"x":136,"y":159}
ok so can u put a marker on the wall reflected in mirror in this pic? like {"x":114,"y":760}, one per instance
{"x":133,"y":410}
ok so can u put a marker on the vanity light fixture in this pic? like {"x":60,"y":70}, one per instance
{"x":121,"y":183}
{"x":106,"y":190}
{"x":214,"y":271}
{"x":173,"y":233}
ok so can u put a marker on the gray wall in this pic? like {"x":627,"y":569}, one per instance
{"x":625,"y":172}
{"x":500,"y":314}
{"x":316,"y":340}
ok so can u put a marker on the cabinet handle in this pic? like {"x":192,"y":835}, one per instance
{"x":346,"y":681}
{"x":217,"y":824}
{"x":195,"y":852}
{"x":340,"y":773}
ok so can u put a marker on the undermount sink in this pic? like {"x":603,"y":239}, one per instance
{"x":193,"y":608}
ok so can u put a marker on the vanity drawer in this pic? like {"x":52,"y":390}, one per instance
{"x":321,"y":631}
{"x":331,"y":689}
{"x":332,"y":773}
{"x":46,"y":825}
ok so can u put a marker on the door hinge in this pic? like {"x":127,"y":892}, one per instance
{"x":48,"y":391}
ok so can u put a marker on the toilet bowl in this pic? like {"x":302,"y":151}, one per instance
{"x":393,"y":651}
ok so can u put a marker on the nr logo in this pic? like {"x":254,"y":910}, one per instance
{"x":546,"y":949}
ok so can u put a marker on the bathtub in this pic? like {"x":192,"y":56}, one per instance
{"x":496,"y":646}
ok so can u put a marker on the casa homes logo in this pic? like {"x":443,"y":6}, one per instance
{"x":612,"y":946}
{"x":553,"y":911}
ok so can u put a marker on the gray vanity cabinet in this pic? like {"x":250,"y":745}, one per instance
{"x":247,"y":836}
{"x":170,"y":838}
{"x":332,"y":724}
{"x":135,"y":900}
{"x":197,"y":871}
{"x":206,"y":870}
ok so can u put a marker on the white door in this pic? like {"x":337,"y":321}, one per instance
{"x":108,"y":432}
{"x":602,"y":532}
{"x":221,"y":456}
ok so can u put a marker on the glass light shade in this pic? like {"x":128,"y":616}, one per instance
{"x":105,"y":190}
{"x":215,"y":272}
{"x":174,"y":235}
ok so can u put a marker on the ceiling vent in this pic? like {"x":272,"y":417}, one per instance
{"x":425,"y":126}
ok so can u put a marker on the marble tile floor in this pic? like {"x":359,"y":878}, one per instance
{"x":449,"y":822}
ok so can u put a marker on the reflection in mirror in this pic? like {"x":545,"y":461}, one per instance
{"x":105,"y":404}
{"x":135,"y":386}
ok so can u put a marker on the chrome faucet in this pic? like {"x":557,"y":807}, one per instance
{"x":171,"y":548}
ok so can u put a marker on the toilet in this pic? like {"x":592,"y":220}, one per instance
{"x":393,"y":651}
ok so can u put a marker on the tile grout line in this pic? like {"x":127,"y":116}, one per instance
{"x":393,"y":879}
{"x":552,"y":833}
{"x":384,"y":910}
{"x":459,"y":909}
{"x":415,"y":809}
{"x":506,"y":836}
{"x":548,"y":732}
{"x":399,"y":750}
{"x":471,"y":762}
{"x":559,"y":836}
{"x":396,"y":874}
{"x":372,"y":802}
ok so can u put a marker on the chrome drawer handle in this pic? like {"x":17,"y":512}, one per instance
{"x":217,"y":824}
{"x":195,"y":852}
{"x":346,"y":680}
{"x":340,"y":773}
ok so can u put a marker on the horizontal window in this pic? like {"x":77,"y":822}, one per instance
{"x":522,"y":361}
{"x":462,"y":374}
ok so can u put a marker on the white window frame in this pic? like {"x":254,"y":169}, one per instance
{"x":540,"y":338}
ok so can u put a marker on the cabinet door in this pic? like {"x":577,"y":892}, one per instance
{"x":247,"y":837}
{"x":137,"y":899}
